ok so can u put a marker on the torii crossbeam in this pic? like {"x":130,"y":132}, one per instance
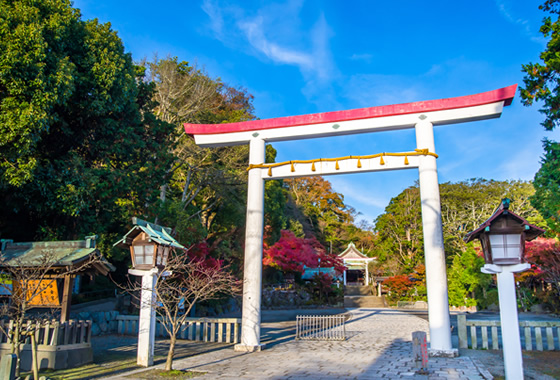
{"x":421,"y":116}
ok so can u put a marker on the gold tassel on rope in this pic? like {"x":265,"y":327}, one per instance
{"x":381,"y":162}
{"x":292,"y":167}
{"x":359,"y":164}
{"x":336,"y":166}
{"x":270,"y":171}
{"x":406,"y":160}
{"x":312,"y":166}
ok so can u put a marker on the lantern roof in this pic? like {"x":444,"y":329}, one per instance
{"x":155,"y":233}
{"x":503,"y":211}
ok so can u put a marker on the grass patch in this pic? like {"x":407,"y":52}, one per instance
{"x":160,"y":374}
{"x":109,"y":365}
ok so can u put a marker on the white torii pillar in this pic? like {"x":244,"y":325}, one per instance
{"x":436,"y":274}
{"x":252,"y":268}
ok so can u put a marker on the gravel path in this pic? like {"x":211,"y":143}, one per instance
{"x":378,"y":347}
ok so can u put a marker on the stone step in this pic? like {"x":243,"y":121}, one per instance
{"x":365,"y":301}
{"x":357,"y":290}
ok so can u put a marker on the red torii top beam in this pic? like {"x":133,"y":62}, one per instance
{"x":386,"y":115}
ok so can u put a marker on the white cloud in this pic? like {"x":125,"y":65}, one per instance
{"x":255,"y":34}
{"x":275,"y":32}
{"x":359,"y":194}
{"x":504,"y":7}
{"x":362,"y":57}
{"x":215,"y":14}
{"x":367,"y":90}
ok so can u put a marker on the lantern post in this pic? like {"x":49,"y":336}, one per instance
{"x":150,"y":246}
{"x":503,"y":238}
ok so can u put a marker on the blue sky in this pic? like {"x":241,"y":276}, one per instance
{"x":299,"y":57}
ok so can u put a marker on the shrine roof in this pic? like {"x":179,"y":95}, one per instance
{"x":352,"y":253}
{"x":55,"y":254}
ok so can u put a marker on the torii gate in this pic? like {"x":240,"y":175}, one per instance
{"x":421,"y":116}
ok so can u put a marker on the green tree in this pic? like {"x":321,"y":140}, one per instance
{"x":399,"y":233}
{"x":79,"y":148}
{"x":541,"y":84}
{"x":464,"y":206}
{"x":321,"y":211}
{"x":204,"y":192}
{"x":466,"y":282}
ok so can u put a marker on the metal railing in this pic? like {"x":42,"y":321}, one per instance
{"x":476,"y":335}
{"x":321,"y":327}
{"x":221,"y":330}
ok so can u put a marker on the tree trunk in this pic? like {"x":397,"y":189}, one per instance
{"x":171,"y":353}
{"x":163,"y":193}
{"x":16,"y":348}
{"x":34,"y":357}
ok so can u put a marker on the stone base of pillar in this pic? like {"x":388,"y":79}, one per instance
{"x":452,"y":353}
{"x":247,"y":348}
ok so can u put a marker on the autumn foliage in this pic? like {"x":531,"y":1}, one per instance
{"x":200,"y":253}
{"x":543,"y":279}
{"x":399,"y":286}
{"x":291,"y":253}
{"x":544,"y":256}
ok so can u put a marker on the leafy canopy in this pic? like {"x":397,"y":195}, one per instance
{"x":542,"y":84}
{"x":80,"y":150}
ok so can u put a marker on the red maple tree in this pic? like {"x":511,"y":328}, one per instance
{"x":291,"y":253}
{"x":544,"y":256}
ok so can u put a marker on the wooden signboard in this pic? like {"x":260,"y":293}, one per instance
{"x":40,"y":293}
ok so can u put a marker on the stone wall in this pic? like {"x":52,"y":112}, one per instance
{"x":104,"y":322}
{"x":272,"y":299}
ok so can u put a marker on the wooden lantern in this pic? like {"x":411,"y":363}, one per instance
{"x":503,"y":236}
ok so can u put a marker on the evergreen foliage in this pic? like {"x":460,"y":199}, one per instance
{"x":542,"y":84}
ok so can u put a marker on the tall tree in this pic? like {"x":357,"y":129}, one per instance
{"x":542,"y":83}
{"x":79,"y":147}
{"x":203,"y":194}
{"x":464,"y":205}
{"x":325,"y":213}
{"x":399,"y":232}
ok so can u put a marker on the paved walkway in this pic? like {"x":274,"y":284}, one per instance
{"x":378,"y":347}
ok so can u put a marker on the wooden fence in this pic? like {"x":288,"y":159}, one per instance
{"x":321,"y":327}
{"x":535,"y":335}
{"x":59,"y":345}
{"x":221,"y":330}
{"x":51,"y":333}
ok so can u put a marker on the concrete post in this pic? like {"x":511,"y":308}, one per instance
{"x":8,"y":367}
{"x":513,"y":359}
{"x":252,"y":271}
{"x":436,"y":275}
{"x":420,"y":351}
{"x":147,"y":319}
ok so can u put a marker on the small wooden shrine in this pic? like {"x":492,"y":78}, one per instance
{"x":57,"y":263}
{"x":356,"y":264}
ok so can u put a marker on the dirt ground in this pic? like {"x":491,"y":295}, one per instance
{"x":538,"y":365}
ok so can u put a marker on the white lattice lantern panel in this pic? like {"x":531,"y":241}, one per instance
{"x":506,"y":248}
